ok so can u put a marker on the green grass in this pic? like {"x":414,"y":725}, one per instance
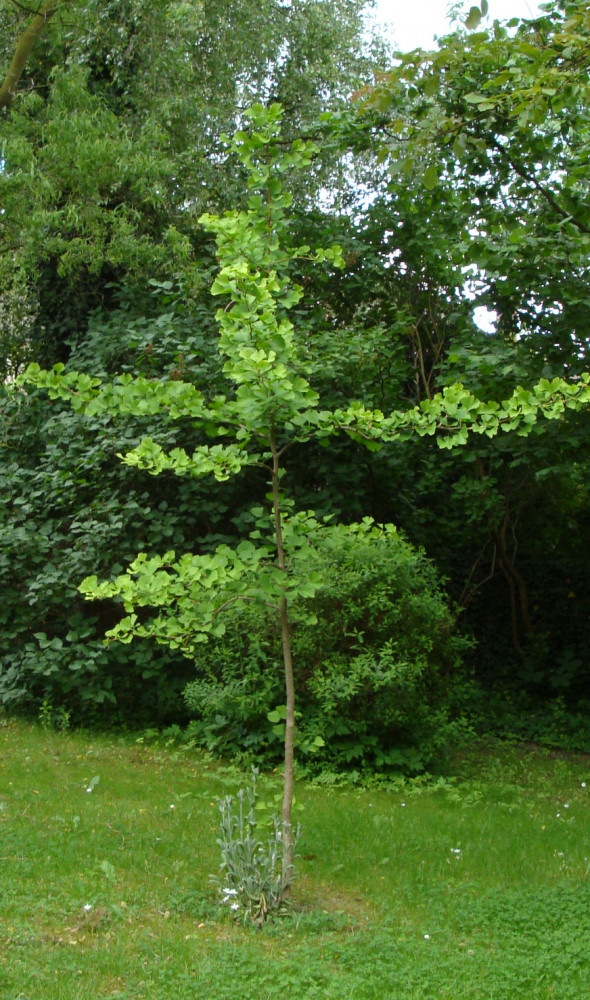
{"x":385,"y":906}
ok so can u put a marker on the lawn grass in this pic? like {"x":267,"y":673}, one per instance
{"x":478,"y":888}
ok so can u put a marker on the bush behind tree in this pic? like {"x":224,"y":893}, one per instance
{"x":379,"y":654}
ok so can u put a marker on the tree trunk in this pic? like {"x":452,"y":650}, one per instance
{"x":517,"y":587}
{"x":23,"y":50}
{"x":288,"y":664}
{"x":516,"y":584}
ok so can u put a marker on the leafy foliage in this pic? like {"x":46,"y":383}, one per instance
{"x":112,"y":148}
{"x":488,"y":134}
{"x":479,"y":200}
{"x":379,"y":665}
{"x":66,"y":510}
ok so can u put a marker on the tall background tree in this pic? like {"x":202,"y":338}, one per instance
{"x":496,"y":125}
{"x":112,"y":141}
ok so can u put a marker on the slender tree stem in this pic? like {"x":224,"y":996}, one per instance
{"x":288,"y":663}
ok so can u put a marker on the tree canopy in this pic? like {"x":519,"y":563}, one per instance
{"x":112,"y":140}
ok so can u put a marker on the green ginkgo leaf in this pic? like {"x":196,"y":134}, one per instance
{"x":473,"y":18}
{"x":431,"y":177}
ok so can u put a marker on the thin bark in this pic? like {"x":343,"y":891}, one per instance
{"x":516,"y":585}
{"x":427,"y":342}
{"x":507,"y":561}
{"x":468,"y":591}
{"x":23,"y":50}
{"x":288,"y":664}
{"x":547,"y":195}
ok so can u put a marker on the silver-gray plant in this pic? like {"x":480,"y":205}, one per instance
{"x":256,"y":875}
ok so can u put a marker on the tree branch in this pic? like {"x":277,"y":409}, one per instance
{"x":23,"y":50}
{"x":22,"y":6}
{"x":468,"y":591}
{"x":549,"y":198}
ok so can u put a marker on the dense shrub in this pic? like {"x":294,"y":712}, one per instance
{"x":378,"y":672}
{"x":68,"y":507}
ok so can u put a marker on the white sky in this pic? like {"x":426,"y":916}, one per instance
{"x":413,"y":23}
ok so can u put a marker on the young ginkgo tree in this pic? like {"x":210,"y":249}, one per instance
{"x":271,"y":407}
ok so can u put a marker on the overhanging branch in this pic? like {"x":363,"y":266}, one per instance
{"x":23,"y":50}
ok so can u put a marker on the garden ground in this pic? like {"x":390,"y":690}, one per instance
{"x":472,"y":886}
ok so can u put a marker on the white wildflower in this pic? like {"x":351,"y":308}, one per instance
{"x":427,"y":937}
{"x":87,"y":907}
